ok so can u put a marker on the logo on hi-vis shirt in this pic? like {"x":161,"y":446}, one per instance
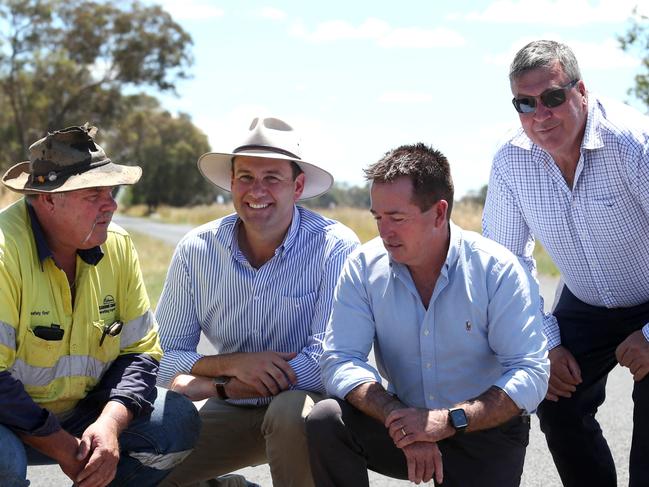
{"x":108,"y":306}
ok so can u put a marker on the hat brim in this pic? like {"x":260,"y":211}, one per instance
{"x":216,"y":167}
{"x":17,"y":179}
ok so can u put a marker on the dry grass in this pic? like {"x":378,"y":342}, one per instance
{"x":467,"y":215}
{"x":155,"y":256}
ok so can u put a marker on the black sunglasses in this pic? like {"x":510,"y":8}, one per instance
{"x":550,"y":98}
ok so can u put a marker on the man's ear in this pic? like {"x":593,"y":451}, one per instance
{"x":299,"y":186}
{"x":441,"y":210}
{"x":46,"y":201}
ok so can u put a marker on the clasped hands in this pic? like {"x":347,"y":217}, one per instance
{"x":565,"y":373}
{"x":416,"y":432}
{"x":253,"y":374}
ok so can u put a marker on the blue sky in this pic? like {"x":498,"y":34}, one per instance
{"x":357,"y":79}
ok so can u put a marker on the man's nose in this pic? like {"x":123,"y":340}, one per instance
{"x":109,"y":203}
{"x":257,"y":186}
{"x":542,"y":112}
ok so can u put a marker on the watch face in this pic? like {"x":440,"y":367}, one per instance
{"x":458,"y":419}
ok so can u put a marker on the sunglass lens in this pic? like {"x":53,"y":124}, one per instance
{"x":554,"y":98}
{"x":524,"y":104}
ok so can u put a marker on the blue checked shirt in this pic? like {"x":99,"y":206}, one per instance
{"x":282,"y":306}
{"x":596,"y":232}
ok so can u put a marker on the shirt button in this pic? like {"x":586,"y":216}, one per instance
{"x":256,"y":298}
{"x":428,"y":365}
{"x":426,"y":332}
{"x":431,"y":397}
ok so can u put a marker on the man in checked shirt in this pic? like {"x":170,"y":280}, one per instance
{"x":576,"y":177}
{"x":259,"y":284}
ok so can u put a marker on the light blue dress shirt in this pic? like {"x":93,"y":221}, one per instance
{"x":282,"y":306}
{"x":482,"y":327}
{"x":596,"y":232}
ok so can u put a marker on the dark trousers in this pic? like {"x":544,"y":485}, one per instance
{"x":344,"y":443}
{"x":574,"y":437}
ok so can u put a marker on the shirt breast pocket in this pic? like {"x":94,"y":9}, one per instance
{"x":39,"y":352}
{"x":297,"y":309}
{"x":105,"y":340}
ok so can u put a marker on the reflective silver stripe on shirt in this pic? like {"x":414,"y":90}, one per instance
{"x":67,"y":366}
{"x":7,"y":335}
{"x":135,"y":330}
{"x":160,"y":461}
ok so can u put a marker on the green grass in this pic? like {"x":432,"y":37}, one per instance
{"x":155,"y":255}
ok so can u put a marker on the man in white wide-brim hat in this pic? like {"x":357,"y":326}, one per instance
{"x":259,"y":284}
{"x":79,"y":347}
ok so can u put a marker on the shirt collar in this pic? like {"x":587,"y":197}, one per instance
{"x":90,"y":256}
{"x":291,"y":235}
{"x":592,"y":134}
{"x":286,"y":245}
{"x":452,"y":255}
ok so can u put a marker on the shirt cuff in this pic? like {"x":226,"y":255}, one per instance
{"x":645,"y":331}
{"x":551,"y":330}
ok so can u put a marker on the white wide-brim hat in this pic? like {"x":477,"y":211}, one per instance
{"x":267,"y":137}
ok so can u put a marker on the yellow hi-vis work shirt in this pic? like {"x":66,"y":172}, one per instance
{"x":58,"y":373}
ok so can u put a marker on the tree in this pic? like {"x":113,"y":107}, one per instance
{"x":63,"y":62}
{"x":637,"y":40}
{"x":167,"y":148}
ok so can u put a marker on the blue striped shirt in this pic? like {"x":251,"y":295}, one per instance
{"x":596,"y":232}
{"x":282,"y":306}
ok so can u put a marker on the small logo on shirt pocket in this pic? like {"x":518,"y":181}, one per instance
{"x":108,"y":306}
{"x":468,"y":326}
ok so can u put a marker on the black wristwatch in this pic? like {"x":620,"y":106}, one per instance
{"x":458,"y":419}
{"x":219,"y":385}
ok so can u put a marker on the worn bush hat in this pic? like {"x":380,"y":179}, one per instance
{"x":67,"y":160}
{"x":266,"y":138}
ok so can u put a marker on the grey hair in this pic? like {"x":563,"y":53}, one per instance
{"x":541,"y":54}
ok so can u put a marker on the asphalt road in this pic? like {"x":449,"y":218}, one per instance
{"x":615,"y":416}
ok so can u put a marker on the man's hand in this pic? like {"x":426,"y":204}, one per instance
{"x":633,"y":353}
{"x":565,"y":374}
{"x":424,"y":460}
{"x":99,"y":441}
{"x":267,"y":372}
{"x":193,"y":387}
{"x":410,"y":425}
{"x":62,"y":447}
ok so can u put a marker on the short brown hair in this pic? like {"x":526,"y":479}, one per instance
{"x":427,"y":168}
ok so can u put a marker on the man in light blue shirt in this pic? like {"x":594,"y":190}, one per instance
{"x":456,"y":329}
{"x":259,"y":284}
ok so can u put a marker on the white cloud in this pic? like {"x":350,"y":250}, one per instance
{"x":556,"y":12}
{"x":380,"y":32}
{"x":192,"y":9}
{"x":405,"y":97}
{"x":415,"y":37}
{"x":272,"y":13}
{"x":605,"y":54}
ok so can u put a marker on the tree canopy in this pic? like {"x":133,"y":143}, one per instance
{"x":636,"y":40}
{"x":166,"y":147}
{"x":65,"y":62}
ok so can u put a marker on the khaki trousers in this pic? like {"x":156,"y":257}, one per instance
{"x":234,"y":437}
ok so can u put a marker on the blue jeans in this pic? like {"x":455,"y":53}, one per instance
{"x":149,"y":448}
